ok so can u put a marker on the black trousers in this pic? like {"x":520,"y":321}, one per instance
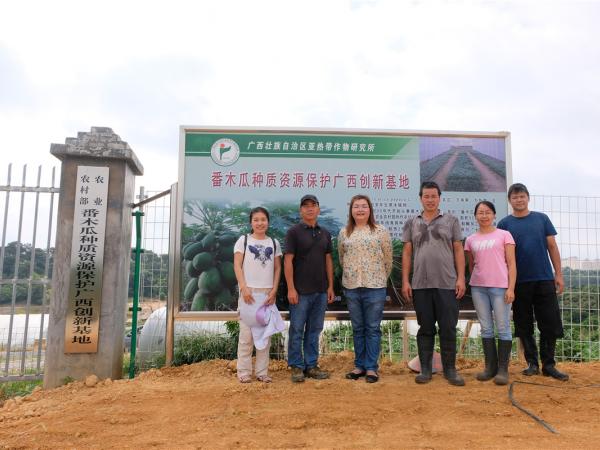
{"x":537,"y":299}
{"x":436,"y":305}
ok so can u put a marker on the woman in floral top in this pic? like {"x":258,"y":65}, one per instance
{"x":365,"y":252}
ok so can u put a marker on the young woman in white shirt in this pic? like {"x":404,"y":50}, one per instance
{"x":257,"y":265}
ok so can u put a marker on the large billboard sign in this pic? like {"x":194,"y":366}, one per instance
{"x":223,"y":173}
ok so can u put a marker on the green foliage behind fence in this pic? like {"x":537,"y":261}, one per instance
{"x":23,"y":273}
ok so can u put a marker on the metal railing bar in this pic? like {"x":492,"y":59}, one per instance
{"x":150,"y":199}
{"x":29,"y":189}
{"x":46,"y":273}
{"x":21,"y":378}
{"x":6,"y":205}
{"x":31,"y":270}
{"x":42,"y":281}
{"x":17,"y":261}
{"x":172,"y":276}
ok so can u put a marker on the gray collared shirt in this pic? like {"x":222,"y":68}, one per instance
{"x":433,"y":252}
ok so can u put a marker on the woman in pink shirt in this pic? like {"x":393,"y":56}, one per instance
{"x":491,"y":254}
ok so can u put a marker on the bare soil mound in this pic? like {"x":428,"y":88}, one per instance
{"x":204,"y":406}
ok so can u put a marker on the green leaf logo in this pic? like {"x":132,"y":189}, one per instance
{"x":222,"y":150}
{"x":225,"y":152}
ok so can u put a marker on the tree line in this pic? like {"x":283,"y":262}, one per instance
{"x":153,"y":276}
{"x":580,"y":302}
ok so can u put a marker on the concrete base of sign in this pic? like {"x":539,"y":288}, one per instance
{"x":100,"y":147}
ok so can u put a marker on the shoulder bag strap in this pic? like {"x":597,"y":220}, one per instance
{"x":245,"y":242}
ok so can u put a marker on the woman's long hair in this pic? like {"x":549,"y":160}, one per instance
{"x":352,"y":223}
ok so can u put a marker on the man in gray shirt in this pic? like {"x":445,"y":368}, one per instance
{"x":438,"y":282}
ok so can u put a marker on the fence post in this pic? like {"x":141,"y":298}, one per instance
{"x":100,"y":148}
{"x":174,"y":288}
{"x":136,"y":289}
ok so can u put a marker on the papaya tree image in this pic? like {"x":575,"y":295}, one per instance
{"x":209,"y":233}
{"x":206,"y":216}
{"x":284,"y":215}
{"x":208,"y":236}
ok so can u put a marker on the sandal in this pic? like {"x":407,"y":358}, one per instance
{"x":355,"y":375}
{"x":372,"y":378}
{"x":264,"y":378}
{"x":245,"y":379}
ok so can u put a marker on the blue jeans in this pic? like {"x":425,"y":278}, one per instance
{"x":490,"y":307}
{"x":365,"y":306}
{"x":306,"y":324}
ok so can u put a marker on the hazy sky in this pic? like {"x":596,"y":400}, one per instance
{"x":144,"y":68}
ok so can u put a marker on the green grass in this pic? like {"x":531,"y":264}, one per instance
{"x":339,"y":338}
{"x":17,"y":388}
{"x":200,"y":347}
{"x":67,"y":380}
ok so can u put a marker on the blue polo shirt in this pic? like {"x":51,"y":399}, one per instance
{"x":530,"y":233}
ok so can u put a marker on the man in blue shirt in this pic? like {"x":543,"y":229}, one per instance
{"x":537,"y":286}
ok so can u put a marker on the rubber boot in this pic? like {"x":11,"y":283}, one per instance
{"x":425,"y":347}
{"x":547,"y":349}
{"x":531,"y":356}
{"x":448,"y":351}
{"x":504,"y":350}
{"x":491,"y":360}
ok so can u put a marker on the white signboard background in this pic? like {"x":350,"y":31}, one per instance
{"x":87,"y":258}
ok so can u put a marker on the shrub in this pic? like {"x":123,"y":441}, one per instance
{"x":193,"y":348}
{"x":17,"y":389}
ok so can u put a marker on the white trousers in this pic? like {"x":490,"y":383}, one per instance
{"x":244,"y":351}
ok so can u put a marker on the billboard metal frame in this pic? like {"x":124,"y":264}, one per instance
{"x":178,"y":193}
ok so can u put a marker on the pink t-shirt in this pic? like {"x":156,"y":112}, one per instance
{"x":489,"y":256}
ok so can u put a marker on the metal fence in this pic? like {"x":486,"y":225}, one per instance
{"x":154,"y":271}
{"x":26,"y":256}
{"x":26,"y":252}
{"x":577,"y":220}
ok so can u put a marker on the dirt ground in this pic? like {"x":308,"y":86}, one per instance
{"x":204,"y":406}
